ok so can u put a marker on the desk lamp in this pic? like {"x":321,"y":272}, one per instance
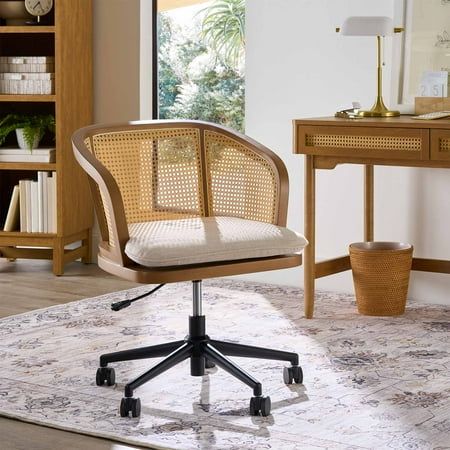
{"x":379,"y":27}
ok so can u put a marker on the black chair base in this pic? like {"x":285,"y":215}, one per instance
{"x":203,"y":353}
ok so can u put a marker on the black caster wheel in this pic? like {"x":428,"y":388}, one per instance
{"x":293,"y":375}
{"x":260,"y":405}
{"x":209,"y":364}
{"x":130,"y":404}
{"x":105,"y":375}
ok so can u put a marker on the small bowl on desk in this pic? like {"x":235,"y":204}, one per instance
{"x":13,"y":12}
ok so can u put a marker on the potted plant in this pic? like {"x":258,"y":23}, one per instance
{"x":29,"y":129}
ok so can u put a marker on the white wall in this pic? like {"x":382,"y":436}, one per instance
{"x":122,"y":60}
{"x":297,"y":66}
{"x":116,"y":60}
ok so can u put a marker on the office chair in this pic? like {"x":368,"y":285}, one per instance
{"x":186,"y":201}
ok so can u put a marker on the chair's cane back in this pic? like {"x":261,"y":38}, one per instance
{"x":163,"y":170}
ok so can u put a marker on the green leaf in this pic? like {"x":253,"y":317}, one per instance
{"x":223,"y":27}
{"x":33,"y":126}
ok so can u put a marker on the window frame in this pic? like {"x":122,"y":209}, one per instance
{"x":155,"y":47}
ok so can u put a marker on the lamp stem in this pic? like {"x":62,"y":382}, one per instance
{"x":380,"y":73}
{"x":379,"y":109}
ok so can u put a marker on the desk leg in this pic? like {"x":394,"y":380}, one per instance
{"x":368,"y":203}
{"x":310,"y":234}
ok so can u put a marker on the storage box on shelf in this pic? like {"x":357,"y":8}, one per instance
{"x":27,"y":75}
{"x":64,"y":41}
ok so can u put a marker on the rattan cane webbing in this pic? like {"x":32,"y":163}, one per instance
{"x":413,"y":144}
{"x":381,"y":280}
{"x":444,"y":145}
{"x":241,"y":183}
{"x":87,"y":143}
{"x":158,"y":172}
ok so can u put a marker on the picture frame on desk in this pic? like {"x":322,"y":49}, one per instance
{"x":421,"y":47}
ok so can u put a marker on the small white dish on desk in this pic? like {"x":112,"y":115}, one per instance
{"x":350,"y":113}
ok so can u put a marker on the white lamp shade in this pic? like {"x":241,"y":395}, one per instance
{"x":367,"y":26}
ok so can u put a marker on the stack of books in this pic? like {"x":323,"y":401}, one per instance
{"x":38,"y":155}
{"x":32,"y":208}
{"x":27,"y":75}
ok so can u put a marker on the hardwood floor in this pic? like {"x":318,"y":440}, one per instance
{"x":28,"y":285}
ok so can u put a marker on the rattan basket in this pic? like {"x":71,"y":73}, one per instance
{"x":381,"y":276}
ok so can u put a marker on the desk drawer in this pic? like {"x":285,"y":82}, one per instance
{"x":363,"y":142}
{"x":440,"y":145}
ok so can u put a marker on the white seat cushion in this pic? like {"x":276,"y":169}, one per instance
{"x":206,"y":239}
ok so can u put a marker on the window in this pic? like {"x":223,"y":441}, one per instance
{"x":200,"y":47}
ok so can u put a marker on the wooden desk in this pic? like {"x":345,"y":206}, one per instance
{"x":398,"y":141}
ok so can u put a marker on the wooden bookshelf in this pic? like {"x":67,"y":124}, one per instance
{"x":27,"y":97}
{"x":45,"y":167}
{"x":67,"y":36}
{"x":27,"y":29}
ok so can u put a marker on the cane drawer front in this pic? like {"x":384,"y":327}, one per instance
{"x":363,"y":142}
{"x":440,"y":145}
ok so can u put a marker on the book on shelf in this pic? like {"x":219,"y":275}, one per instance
{"x":23,"y":207}
{"x":22,"y":151}
{"x":33,"y":205}
{"x":52,"y":222}
{"x":42,"y":155}
{"x":28,"y":205}
{"x":42,"y":202}
{"x":12,"y":217}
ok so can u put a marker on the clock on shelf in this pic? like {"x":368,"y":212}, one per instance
{"x":38,"y":8}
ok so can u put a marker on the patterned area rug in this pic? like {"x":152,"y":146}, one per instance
{"x":370,"y":383}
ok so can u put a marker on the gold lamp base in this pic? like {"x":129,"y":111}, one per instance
{"x":379,"y":109}
{"x":373,"y":113}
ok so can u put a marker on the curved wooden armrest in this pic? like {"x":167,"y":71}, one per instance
{"x":109,"y":201}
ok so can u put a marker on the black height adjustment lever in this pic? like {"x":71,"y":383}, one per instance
{"x":126,"y":303}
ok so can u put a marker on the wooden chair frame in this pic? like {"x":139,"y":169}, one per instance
{"x":106,"y":193}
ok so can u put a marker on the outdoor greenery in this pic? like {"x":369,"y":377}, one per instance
{"x":224,"y":28}
{"x":201,"y":67}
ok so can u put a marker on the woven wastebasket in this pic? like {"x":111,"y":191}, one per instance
{"x":381,"y":276}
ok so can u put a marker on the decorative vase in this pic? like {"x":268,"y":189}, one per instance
{"x":21,"y":140}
